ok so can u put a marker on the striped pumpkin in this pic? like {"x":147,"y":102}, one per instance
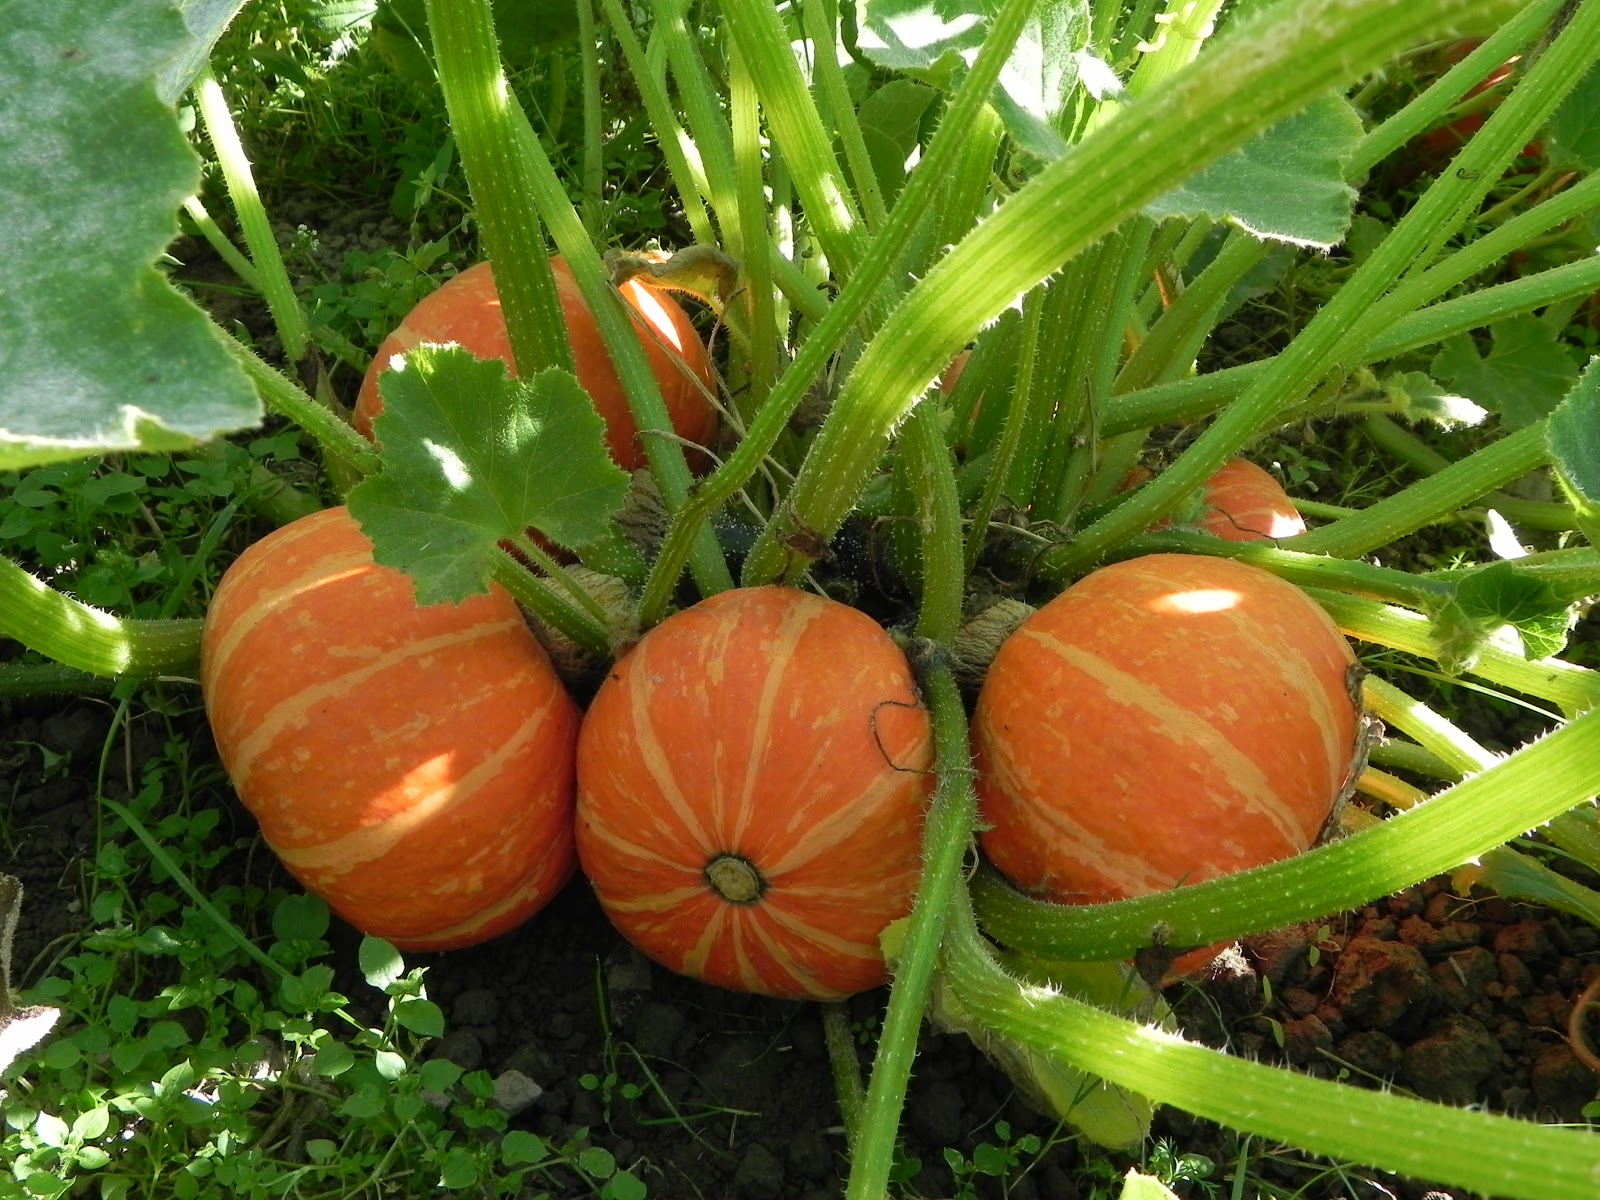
{"x":466,"y":310}
{"x":1244,"y":503}
{"x":412,"y":766}
{"x":1240,"y":503}
{"x":1163,"y":721}
{"x":751,"y":783}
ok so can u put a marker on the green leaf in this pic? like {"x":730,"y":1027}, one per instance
{"x":891,"y":124}
{"x":300,"y":917}
{"x":420,"y":1016}
{"x":1136,"y":1186}
{"x":1574,"y":436}
{"x":1285,"y":184}
{"x":1524,"y":376}
{"x":1492,"y":598}
{"x":596,"y":1162}
{"x":520,"y":1148}
{"x":334,"y":1058}
{"x":206,"y":21}
{"x":1574,"y":131}
{"x":473,"y":458}
{"x":381,"y":964}
{"x":458,"y":1171}
{"x":1518,"y":877}
{"x":98,"y":351}
{"x":365,"y":1103}
{"x":439,"y":1074}
{"x":937,"y":41}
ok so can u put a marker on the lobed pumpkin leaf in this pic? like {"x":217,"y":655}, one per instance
{"x":1491,"y":599}
{"x":1574,"y":129}
{"x":1524,"y":376}
{"x":478,"y":459}
{"x":96,"y":167}
{"x":1285,"y":184}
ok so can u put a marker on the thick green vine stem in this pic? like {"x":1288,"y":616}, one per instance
{"x":342,"y":447}
{"x":271,"y":277}
{"x":1474,"y":1150}
{"x":1399,"y":442}
{"x":1354,"y":316}
{"x":1429,"y":108}
{"x":946,"y":838}
{"x":50,"y":679}
{"x":1540,"y":781}
{"x":89,"y":639}
{"x":1462,"y":482}
{"x":1201,"y":395}
{"x":480,"y":105}
{"x":943,"y":151}
{"x":541,"y":599}
{"x":1571,"y":688}
{"x":1429,"y":729}
{"x":1265,"y":68}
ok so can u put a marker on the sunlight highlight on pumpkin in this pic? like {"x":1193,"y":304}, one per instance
{"x":1200,"y":600}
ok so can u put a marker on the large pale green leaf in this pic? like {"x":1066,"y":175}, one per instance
{"x":206,"y":20}
{"x":1524,"y":376}
{"x":1574,"y":435}
{"x":97,"y":350}
{"x":1286,"y":183}
{"x":473,"y":458}
{"x":936,"y":40}
{"x":1574,"y":129}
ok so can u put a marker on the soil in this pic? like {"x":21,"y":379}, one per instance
{"x":1461,"y":998}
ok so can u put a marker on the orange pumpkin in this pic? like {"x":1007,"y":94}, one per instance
{"x":1165,"y":720}
{"x":1240,"y":503}
{"x":412,"y":766}
{"x":752,"y":777}
{"x":466,"y":310}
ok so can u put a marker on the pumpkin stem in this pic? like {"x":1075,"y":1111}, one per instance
{"x":735,"y":879}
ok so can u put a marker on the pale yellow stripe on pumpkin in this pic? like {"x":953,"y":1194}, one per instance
{"x":601,"y":831}
{"x":749,"y":977}
{"x":821,"y":836}
{"x":374,"y":841}
{"x":845,"y":894}
{"x":1178,"y":723}
{"x":780,"y":653}
{"x":698,"y":955}
{"x":292,"y":713}
{"x":1127,"y":873}
{"x":654,"y":757}
{"x":655,"y":900}
{"x":816,"y":935}
{"x":1309,"y":690}
{"x":537,"y":881}
{"x":784,"y":960}
{"x":270,"y":603}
